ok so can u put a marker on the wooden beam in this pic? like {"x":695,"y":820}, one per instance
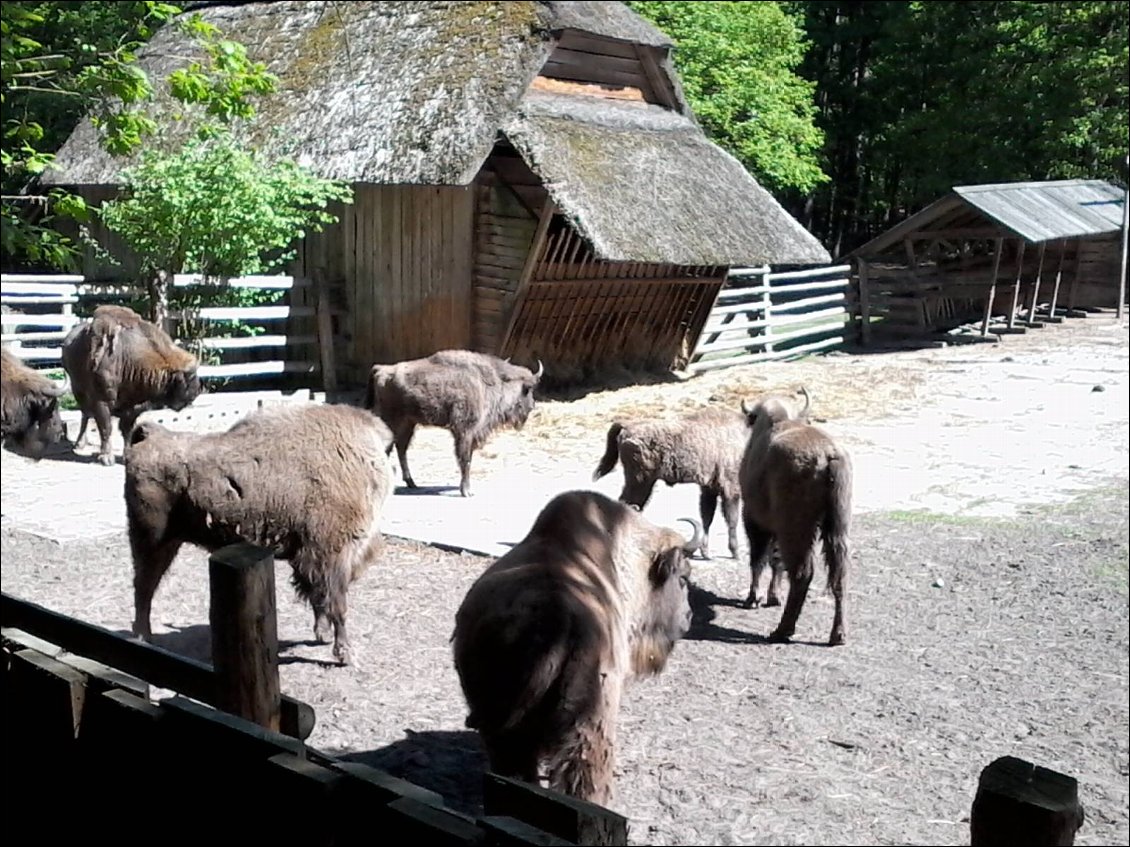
{"x":523,"y":285}
{"x":1016,"y":285}
{"x":992,"y":287}
{"x":864,"y":305}
{"x":656,"y":78}
{"x":956,"y":232}
{"x":1021,"y":803}
{"x":1036,"y":284}
{"x":576,"y":821}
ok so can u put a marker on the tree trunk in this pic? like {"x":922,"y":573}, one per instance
{"x":157,"y":289}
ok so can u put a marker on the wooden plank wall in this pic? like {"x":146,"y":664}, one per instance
{"x":508,"y":198}
{"x":583,"y":57}
{"x":400,"y":261}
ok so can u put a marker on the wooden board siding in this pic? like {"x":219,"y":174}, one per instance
{"x":582,"y":57}
{"x":508,"y":199}
{"x":401,"y":259}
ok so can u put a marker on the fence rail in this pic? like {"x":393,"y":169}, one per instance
{"x":761,"y":315}
{"x":39,"y":311}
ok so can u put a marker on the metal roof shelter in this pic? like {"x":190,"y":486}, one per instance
{"x":938,"y":267}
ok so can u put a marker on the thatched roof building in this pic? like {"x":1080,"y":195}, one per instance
{"x":480,"y":136}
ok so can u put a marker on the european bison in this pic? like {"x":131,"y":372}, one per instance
{"x":307,"y":482}
{"x":796,"y":487}
{"x":704,"y":448}
{"x":29,"y":408}
{"x":122,"y":365}
{"x":548,"y":635}
{"x":470,"y":394}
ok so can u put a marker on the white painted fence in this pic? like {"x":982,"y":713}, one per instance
{"x":37,"y":338}
{"x":761,"y":315}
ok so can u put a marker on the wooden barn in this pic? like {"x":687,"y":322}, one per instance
{"x":1020,"y":253}
{"x":528,"y":177}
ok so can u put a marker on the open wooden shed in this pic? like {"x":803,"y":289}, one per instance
{"x":1017,"y":253}
{"x":528,"y":177}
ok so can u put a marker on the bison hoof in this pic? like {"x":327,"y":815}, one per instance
{"x":750,"y":602}
{"x":343,"y":654}
{"x":837,"y":639}
{"x":465,"y":492}
{"x":106,"y":459}
{"x":322,"y":631}
{"x":773,"y":600}
{"x":778,"y":637}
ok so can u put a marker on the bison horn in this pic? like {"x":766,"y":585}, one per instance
{"x":807,"y":402}
{"x":747,"y":409}
{"x":541,"y":370}
{"x":697,"y":539}
{"x":59,"y":387}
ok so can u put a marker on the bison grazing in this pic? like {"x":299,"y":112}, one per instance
{"x":122,"y":365}
{"x":548,"y":635}
{"x":704,"y":447}
{"x":796,"y":487}
{"x":29,"y":408}
{"x":307,"y":482}
{"x":470,"y":394}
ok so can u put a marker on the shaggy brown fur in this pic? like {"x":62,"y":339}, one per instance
{"x":308,"y":482}
{"x":29,"y":408}
{"x":122,"y":365}
{"x":469,"y":394}
{"x":704,"y":448}
{"x":796,"y":487}
{"x":546,"y":638}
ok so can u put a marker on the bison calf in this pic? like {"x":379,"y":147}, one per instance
{"x":307,"y":482}
{"x":796,"y":488}
{"x":547,"y":636}
{"x":121,"y":365}
{"x":469,"y":394}
{"x":704,"y":448}
{"x":29,"y":407}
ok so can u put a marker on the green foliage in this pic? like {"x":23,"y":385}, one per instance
{"x":62,"y":60}
{"x":217,"y":209}
{"x":738,"y":65}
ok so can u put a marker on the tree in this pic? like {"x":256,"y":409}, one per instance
{"x":216,"y":209}
{"x":61,"y":60}
{"x":738,"y":65}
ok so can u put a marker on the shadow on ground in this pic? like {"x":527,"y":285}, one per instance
{"x":450,"y":763}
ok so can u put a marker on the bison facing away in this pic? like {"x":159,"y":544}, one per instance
{"x":470,"y":394}
{"x":29,"y":407}
{"x":704,"y":448}
{"x":120,"y":365}
{"x":796,"y":487}
{"x":307,"y":482}
{"x":548,"y":635}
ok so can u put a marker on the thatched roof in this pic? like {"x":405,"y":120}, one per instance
{"x":643,"y":184}
{"x":417,"y":92}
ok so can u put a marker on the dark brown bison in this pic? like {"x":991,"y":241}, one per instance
{"x":307,"y":482}
{"x":469,"y":394}
{"x":121,"y":365}
{"x":796,"y":488}
{"x":548,"y":635}
{"x":29,"y":408}
{"x":704,"y":447}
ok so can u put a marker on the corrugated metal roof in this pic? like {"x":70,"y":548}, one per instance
{"x":1041,"y":211}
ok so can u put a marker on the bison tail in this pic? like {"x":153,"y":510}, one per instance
{"x":611,"y":452}
{"x":371,"y":389}
{"x":837,"y":523}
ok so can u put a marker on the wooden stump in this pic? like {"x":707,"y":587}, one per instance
{"x":1021,"y":803}
{"x":245,"y":646}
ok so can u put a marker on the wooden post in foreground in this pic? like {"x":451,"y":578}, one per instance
{"x":325,"y":333}
{"x":245,"y":646}
{"x":992,"y":287}
{"x":573,"y":820}
{"x":1021,"y":803}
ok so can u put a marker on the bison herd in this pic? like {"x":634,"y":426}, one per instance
{"x":545,"y":639}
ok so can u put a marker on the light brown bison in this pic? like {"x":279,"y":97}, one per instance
{"x":29,"y":408}
{"x":549,"y":634}
{"x":307,"y":482}
{"x":470,"y":394}
{"x":121,"y":365}
{"x":703,"y":447}
{"x":796,"y":488}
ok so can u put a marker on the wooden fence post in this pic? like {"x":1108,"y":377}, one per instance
{"x":767,"y":313}
{"x":245,"y":647}
{"x":1021,"y":803}
{"x":573,"y":820}
{"x":325,"y":332}
{"x":864,"y":305}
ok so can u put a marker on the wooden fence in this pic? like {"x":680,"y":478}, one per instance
{"x":40,"y":310}
{"x":760,"y":315}
{"x":83,"y":734}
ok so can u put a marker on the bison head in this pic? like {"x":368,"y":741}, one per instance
{"x":667,"y":611}
{"x":519,"y":384}
{"x":182,"y":388}
{"x":42,"y":426}
{"x":774,"y":408}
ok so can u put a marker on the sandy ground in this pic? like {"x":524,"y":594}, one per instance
{"x":988,"y":607}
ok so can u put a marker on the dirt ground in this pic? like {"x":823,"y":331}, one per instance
{"x":988,"y":608}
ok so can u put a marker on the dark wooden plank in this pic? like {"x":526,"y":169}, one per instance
{"x":572,"y":39}
{"x":1018,"y":802}
{"x":407,"y":821}
{"x":566,"y":817}
{"x":511,"y":832}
